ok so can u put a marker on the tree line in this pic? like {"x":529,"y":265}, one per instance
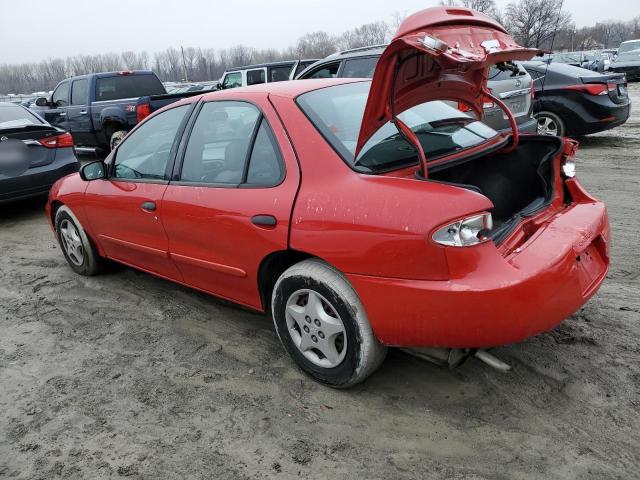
{"x":533,"y":23}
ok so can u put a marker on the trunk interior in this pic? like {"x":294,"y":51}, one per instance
{"x":519,"y":183}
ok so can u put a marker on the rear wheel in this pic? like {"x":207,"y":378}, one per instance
{"x":78,"y":250}
{"x":550,"y":124}
{"x":323,"y":326}
{"x":116,"y":138}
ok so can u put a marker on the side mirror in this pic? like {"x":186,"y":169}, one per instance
{"x":42,"y":102}
{"x":93,"y":171}
{"x":218,"y":86}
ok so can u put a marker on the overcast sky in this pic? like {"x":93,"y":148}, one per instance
{"x":32,"y":30}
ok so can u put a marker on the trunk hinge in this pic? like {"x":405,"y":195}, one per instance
{"x":402,"y":127}
{"x":512,"y":120}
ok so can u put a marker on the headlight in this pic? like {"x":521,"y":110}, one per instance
{"x":466,"y":232}
{"x":569,"y":167}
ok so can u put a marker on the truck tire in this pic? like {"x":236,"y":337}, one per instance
{"x":322,"y":324}
{"x":116,"y":138}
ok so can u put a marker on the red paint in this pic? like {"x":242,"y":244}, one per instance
{"x":376,"y":229}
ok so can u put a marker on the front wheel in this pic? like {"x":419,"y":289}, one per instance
{"x":323,"y":326}
{"x":550,"y":124}
{"x":116,"y":138}
{"x":78,"y":250}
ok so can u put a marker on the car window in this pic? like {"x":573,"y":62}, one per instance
{"x":442,"y":129}
{"x":255,"y":77}
{"x":264,"y":164}
{"x":79,"y":92}
{"x":232,"y":80}
{"x":127,"y":86}
{"x":144,"y":154}
{"x":60,"y":97}
{"x":12,"y":116}
{"x":302,"y":65}
{"x":280,"y":73}
{"x":496,"y":74}
{"x":219,"y":143}
{"x":359,"y":67}
{"x":326,"y":71}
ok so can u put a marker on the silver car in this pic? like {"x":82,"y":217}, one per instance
{"x":513,"y":88}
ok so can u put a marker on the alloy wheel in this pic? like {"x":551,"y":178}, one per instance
{"x":547,"y":126}
{"x":72,"y":242}
{"x":316,"y":328}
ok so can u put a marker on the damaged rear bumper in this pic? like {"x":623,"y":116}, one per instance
{"x":493,"y":299}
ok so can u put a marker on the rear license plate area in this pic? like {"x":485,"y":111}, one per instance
{"x":590,"y":266}
{"x":517,"y":106}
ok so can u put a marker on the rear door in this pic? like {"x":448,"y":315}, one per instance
{"x":230,"y":202}
{"x":125,"y":210}
{"x":78,"y":113}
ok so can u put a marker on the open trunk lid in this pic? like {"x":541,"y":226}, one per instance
{"x":439,"y":53}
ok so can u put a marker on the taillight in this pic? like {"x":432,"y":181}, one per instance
{"x":463,"y":107}
{"x":487,"y":104}
{"x":465,"y":232}
{"x":142,"y":111}
{"x":58,"y":141}
{"x":590,"y":88}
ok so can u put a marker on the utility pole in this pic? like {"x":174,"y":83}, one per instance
{"x":184,"y":64}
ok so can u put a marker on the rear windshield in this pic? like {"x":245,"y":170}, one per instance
{"x":497,"y":74}
{"x":127,"y":86}
{"x":12,"y":116}
{"x":442,"y":129}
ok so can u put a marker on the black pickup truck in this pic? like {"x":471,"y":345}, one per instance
{"x":100,"y":108}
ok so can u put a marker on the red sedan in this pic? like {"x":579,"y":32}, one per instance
{"x":362,"y":214}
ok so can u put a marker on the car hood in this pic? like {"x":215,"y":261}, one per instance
{"x":437,"y":54}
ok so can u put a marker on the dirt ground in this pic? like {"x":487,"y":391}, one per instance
{"x":129,"y":375}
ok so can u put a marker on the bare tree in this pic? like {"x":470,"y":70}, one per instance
{"x":368,"y":34}
{"x":533,"y":22}
{"x":316,"y":45}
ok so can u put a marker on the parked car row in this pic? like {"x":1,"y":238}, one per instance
{"x":360,"y":213}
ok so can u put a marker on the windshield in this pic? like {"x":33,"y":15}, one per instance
{"x":442,"y":129}
{"x":629,"y":46}
{"x":12,"y":116}
{"x":633,"y":55}
{"x":571,"y":57}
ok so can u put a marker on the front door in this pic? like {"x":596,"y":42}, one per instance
{"x":230,"y":204}
{"x":125,"y":210}
{"x":56,"y":114}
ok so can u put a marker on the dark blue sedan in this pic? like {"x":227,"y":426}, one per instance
{"x":33,"y":154}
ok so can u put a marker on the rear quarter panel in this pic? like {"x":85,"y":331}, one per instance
{"x":368,"y":224}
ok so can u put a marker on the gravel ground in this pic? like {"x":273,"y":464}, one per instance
{"x":125,"y":374}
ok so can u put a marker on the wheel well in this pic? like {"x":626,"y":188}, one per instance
{"x":55,"y":205}
{"x":272,"y":266}
{"x":110,"y":127}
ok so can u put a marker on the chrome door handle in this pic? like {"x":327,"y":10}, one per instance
{"x":83,"y":112}
{"x":62,"y":114}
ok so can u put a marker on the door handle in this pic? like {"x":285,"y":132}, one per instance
{"x":148,"y":206}
{"x":83,"y":112}
{"x":264,"y":220}
{"x":62,"y":114}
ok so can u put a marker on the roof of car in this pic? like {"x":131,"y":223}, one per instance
{"x":269,"y":64}
{"x":290,"y":88}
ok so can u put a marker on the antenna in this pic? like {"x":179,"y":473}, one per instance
{"x":553,"y":39}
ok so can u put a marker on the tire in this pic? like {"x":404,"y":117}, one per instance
{"x":550,"y":124}
{"x":116,"y":138}
{"x":313,"y":283}
{"x":76,"y":247}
